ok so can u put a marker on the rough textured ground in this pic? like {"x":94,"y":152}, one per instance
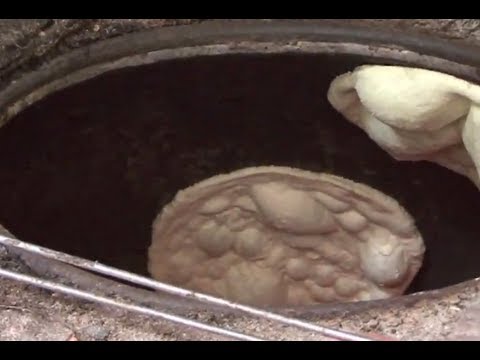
{"x":25,"y":44}
{"x":27,"y":313}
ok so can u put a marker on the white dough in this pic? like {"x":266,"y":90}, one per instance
{"x":414,"y":114}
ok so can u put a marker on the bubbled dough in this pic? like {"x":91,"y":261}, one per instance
{"x":414,"y":114}
{"x":276,"y":236}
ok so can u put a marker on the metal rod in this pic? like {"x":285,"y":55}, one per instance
{"x":140,"y":280}
{"x":49,"y":285}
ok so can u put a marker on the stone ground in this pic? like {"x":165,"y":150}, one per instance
{"x":25,"y":44}
{"x":27,"y":313}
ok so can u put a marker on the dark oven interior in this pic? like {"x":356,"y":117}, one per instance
{"x":87,"y":169}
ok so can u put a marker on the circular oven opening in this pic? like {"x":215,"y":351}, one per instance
{"x":86,"y":169}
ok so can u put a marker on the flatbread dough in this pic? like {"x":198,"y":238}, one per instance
{"x":277,"y":236}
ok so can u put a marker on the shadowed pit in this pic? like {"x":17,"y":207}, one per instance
{"x":87,"y":169}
